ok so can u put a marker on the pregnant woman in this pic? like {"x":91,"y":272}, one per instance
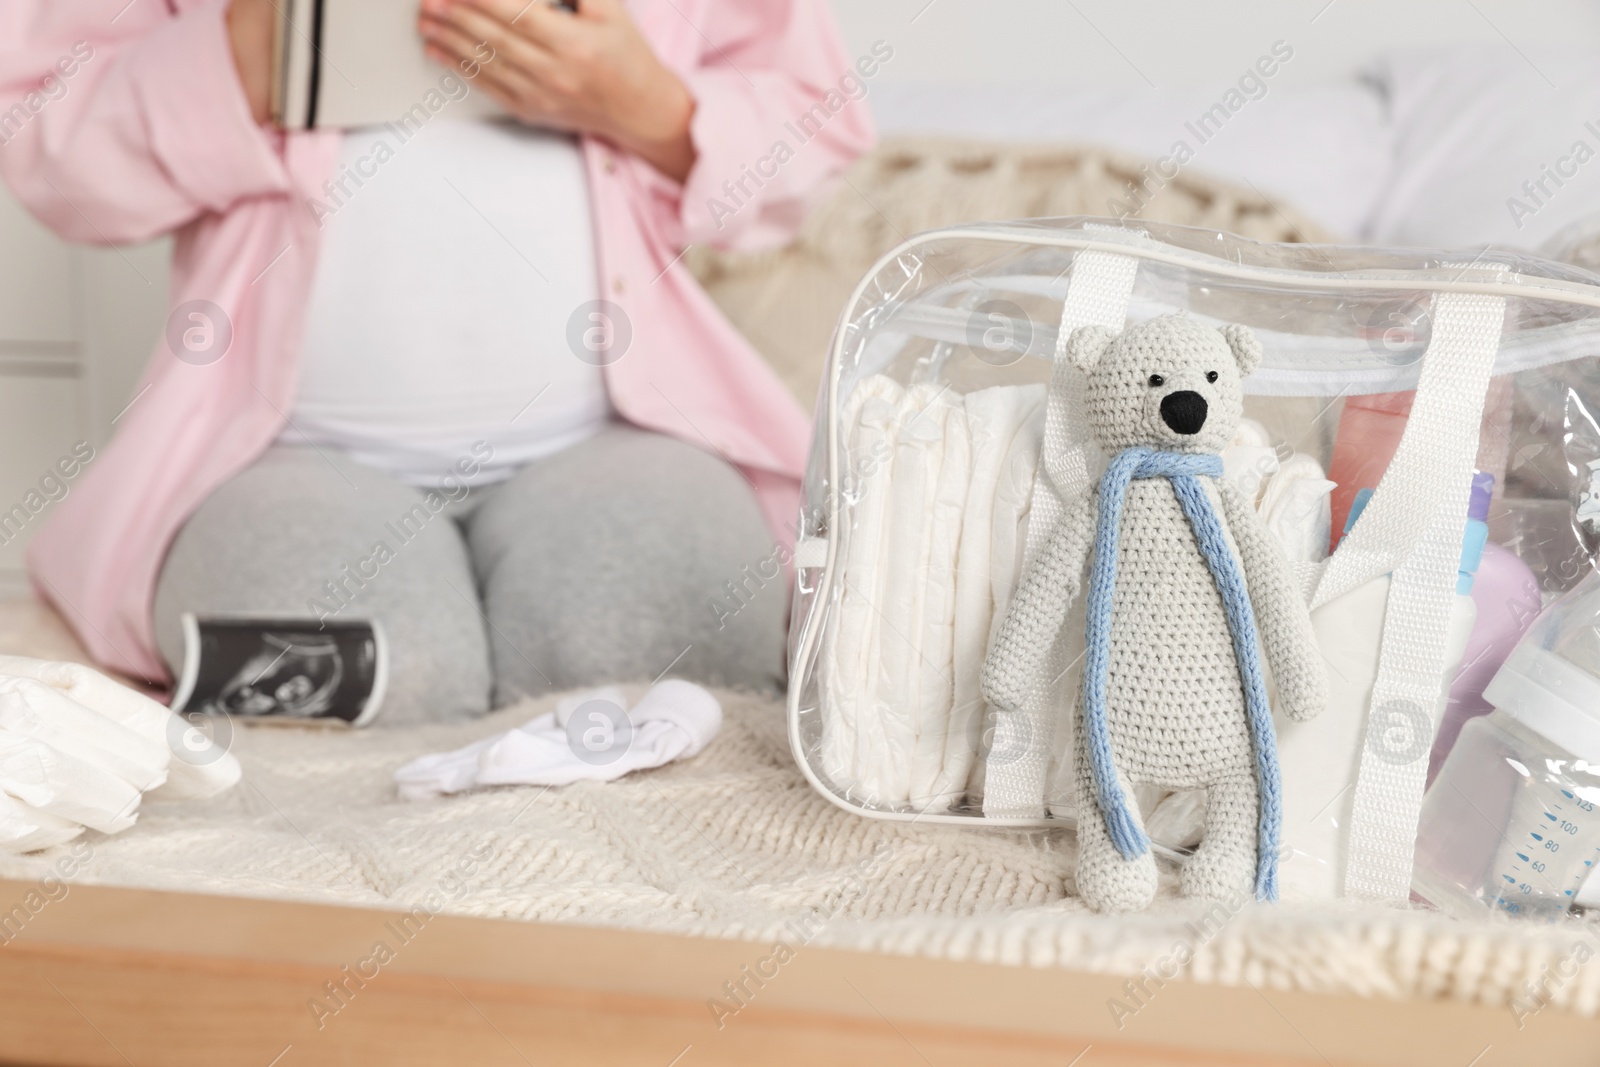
{"x":450,"y":376}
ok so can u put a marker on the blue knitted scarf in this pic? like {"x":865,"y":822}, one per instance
{"x":1184,"y":471}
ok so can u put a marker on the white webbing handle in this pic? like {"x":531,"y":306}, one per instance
{"x":1097,"y":295}
{"x":1425,"y":489}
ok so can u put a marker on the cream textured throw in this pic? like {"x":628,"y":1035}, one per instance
{"x":734,"y":843}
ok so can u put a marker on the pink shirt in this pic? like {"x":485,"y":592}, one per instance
{"x":145,"y":131}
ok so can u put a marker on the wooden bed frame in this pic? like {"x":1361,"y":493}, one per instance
{"x":117,"y":977}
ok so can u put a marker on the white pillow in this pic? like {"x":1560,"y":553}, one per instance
{"x":1471,"y":127}
{"x":1324,"y":150}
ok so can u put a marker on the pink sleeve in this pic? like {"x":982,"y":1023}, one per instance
{"x":780,"y":113}
{"x":119,"y":127}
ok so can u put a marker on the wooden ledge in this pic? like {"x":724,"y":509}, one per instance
{"x":107,"y":976}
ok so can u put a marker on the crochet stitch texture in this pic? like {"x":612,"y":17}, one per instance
{"x":1174,"y":707}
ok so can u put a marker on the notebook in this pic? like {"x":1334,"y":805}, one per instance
{"x":344,"y":63}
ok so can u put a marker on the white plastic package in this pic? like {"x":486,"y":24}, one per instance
{"x":80,"y":750}
{"x":201,"y":769}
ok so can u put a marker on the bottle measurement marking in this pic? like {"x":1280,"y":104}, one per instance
{"x":1546,"y":844}
{"x":1559,"y":824}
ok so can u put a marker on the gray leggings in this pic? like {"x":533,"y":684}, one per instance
{"x":605,"y":562}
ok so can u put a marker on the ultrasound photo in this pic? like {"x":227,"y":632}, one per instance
{"x":283,"y":669}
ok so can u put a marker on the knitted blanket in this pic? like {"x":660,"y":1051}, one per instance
{"x":735,"y":844}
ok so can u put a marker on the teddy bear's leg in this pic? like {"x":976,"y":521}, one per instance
{"x":1106,"y":881}
{"x":1225,"y":863}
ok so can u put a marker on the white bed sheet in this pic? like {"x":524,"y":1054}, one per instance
{"x":1490,"y":148}
{"x":1326,"y":150}
{"x":1450,"y":148}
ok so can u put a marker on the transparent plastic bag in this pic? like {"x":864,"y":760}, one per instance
{"x":947,"y":437}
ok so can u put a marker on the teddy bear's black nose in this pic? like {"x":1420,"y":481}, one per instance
{"x":1184,"y":411}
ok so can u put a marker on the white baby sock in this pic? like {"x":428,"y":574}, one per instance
{"x":589,"y":736}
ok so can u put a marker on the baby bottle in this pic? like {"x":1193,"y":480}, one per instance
{"x":1510,"y":821}
{"x":1506,"y":595}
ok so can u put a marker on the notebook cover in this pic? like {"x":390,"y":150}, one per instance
{"x":346,"y":63}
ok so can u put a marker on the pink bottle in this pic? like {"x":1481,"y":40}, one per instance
{"x":1370,"y":428}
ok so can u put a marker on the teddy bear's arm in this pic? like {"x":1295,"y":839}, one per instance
{"x":1282,"y":618}
{"x":1037,"y":611}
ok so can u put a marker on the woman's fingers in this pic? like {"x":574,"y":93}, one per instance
{"x":604,"y":10}
{"x":454,"y":44}
{"x":591,"y":71}
{"x":465,"y":52}
{"x":509,"y":45}
{"x":536,"y":20}
{"x":530,"y":107}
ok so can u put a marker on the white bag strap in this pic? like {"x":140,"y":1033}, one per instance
{"x":1442,"y":428}
{"x":1098,"y":293}
{"x":1417,"y":518}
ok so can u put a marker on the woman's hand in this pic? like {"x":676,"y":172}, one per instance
{"x":589,"y":71}
{"x":250,"y":33}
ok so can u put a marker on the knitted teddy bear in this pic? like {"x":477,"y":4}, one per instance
{"x":1187,"y":589}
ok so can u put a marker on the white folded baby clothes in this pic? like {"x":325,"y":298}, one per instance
{"x":589,"y":736}
{"x":80,"y":750}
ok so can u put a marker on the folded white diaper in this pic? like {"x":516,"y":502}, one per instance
{"x":80,"y":750}
{"x":997,"y":417}
{"x":589,"y":736}
{"x":853,"y":652}
{"x":939,"y":485}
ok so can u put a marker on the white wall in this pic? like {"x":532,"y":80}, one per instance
{"x":75,"y":327}
{"x":1172,"y":43}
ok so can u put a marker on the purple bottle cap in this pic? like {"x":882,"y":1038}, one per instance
{"x":1482,"y":491}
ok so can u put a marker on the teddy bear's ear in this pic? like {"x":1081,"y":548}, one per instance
{"x":1087,"y":344}
{"x":1246,"y":349}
